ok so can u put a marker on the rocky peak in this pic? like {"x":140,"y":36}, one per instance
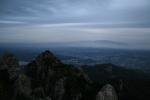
{"x":47,"y":58}
{"x":43,"y":66}
{"x":107,"y":93}
{"x":45,"y":78}
{"x":51,"y":78}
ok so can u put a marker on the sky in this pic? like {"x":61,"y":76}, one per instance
{"x":34,"y":21}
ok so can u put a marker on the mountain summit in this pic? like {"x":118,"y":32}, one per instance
{"x":47,"y":58}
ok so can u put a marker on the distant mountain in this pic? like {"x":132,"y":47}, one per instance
{"x":110,"y":42}
{"x":97,"y":44}
{"x":86,"y":43}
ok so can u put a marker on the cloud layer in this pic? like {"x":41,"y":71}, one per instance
{"x":135,"y":12}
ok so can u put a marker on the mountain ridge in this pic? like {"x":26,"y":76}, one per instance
{"x":47,"y":78}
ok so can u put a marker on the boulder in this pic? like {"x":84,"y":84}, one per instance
{"x":107,"y":93}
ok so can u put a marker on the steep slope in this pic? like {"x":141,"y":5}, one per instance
{"x":45,"y":78}
{"x":53,"y":79}
{"x":14,"y":85}
{"x":129,"y":84}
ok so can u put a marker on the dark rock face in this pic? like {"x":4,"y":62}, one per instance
{"x":107,"y":93}
{"x":53,"y":79}
{"x":59,"y":90}
{"x":13,"y":83}
{"x":47,"y":78}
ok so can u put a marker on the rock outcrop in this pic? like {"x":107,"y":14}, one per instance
{"x":14,"y":84}
{"x":47,"y":78}
{"x":59,"y":90}
{"x":107,"y":93}
{"x":56,"y":80}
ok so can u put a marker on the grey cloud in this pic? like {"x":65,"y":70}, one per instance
{"x":135,"y":12}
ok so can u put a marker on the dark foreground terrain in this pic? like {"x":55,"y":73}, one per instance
{"x":47,"y":78}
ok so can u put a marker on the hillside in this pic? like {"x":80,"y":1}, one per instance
{"x":129,"y":84}
{"x":47,"y":78}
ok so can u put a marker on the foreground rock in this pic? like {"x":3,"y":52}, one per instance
{"x":14,"y":84}
{"x":107,"y":93}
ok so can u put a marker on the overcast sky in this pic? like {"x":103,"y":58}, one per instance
{"x":75,"y":11}
{"x":74,"y":20}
